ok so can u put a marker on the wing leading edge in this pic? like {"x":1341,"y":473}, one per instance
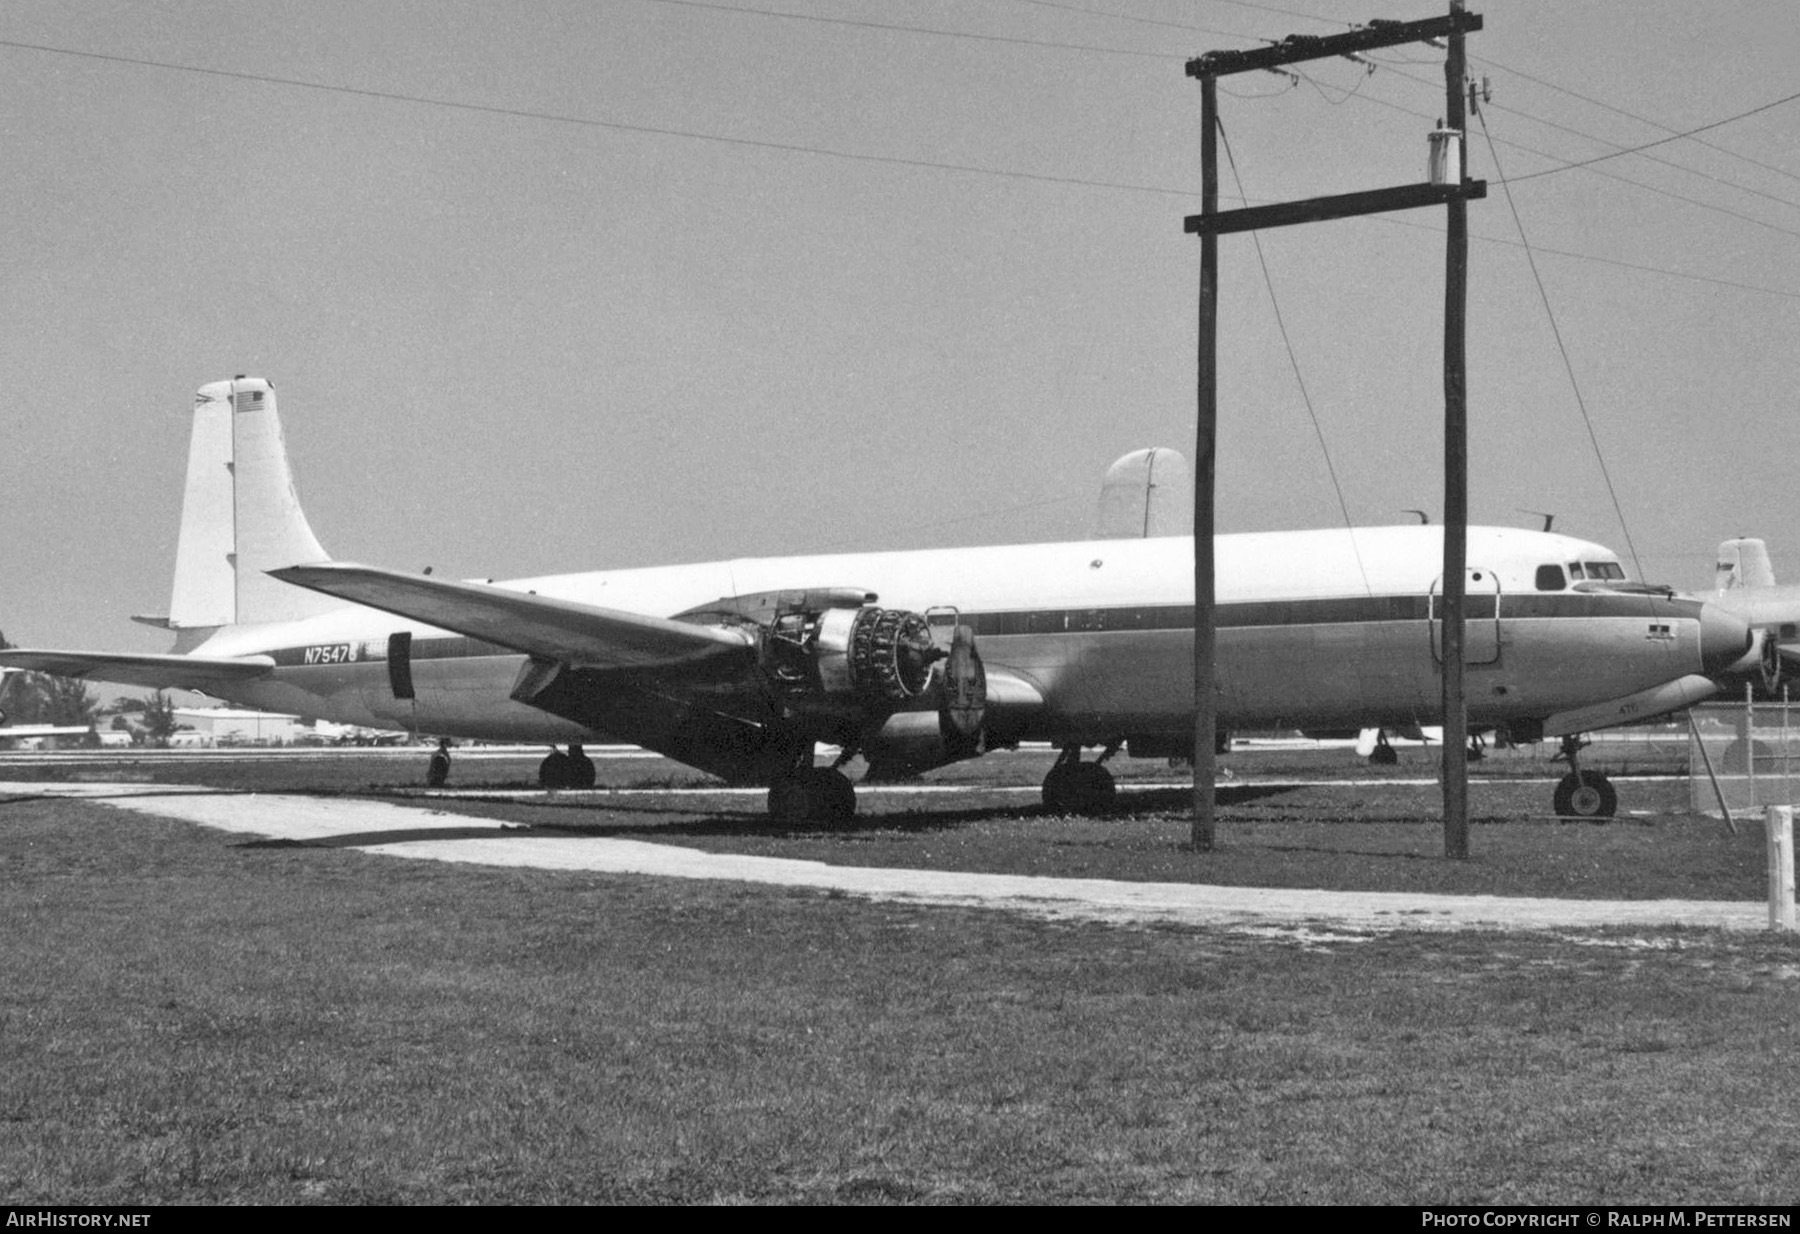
{"x":581,"y":635}
{"x":154,"y":672}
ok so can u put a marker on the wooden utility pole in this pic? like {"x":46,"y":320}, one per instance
{"x":1456,"y":471}
{"x":1206,"y":439}
{"x":1211,"y":223}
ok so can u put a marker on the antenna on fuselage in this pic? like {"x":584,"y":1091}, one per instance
{"x":1548,"y":518}
{"x":1424,"y":518}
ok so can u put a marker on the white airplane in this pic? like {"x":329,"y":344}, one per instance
{"x":1744,"y":585}
{"x":910,"y":659}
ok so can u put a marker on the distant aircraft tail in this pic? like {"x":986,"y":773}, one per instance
{"x":1743,"y":563}
{"x":240,"y":517}
{"x":1146,"y":493}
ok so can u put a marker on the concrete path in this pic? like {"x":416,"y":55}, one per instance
{"x":384,"y":828}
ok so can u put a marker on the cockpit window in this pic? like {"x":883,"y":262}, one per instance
{"x":1575,"y":570}
{"x":1550,"y":578}
{"x":1605,"y":569}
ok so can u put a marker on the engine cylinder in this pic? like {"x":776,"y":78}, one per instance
{"x":881,"y":655}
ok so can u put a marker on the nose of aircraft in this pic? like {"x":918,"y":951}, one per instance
{"x":1724,"y":638}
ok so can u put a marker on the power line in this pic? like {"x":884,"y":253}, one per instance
{"x":855,"y":156}
{"x":947,"y":34}
{"x":520,"y":113}
{"x":1568,"y":364}
{"x":1618,"y":147}
{"x":1662,"y":141}
{"x":1294,"y":363}
{"x":1631,"y":115}
{"x":1638,"y":184}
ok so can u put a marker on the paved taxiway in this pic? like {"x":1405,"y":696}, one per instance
{"x":419,"y":832}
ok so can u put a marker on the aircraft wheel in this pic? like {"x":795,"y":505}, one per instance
{"x":1588,"y":795}
{"x":581,"y":768}
{"x":831,"y":795}
{"x":1079,"y":788}
{"x":556,"y":771}
{"x":438,"y":773}
{"x":813,"y":796}
{"x":788,"y":800}
{"x":1383,"y":756}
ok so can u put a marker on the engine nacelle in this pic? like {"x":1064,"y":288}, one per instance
{"x":878,"y":658}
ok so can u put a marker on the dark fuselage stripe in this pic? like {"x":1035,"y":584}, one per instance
{"x":1245,"y":615}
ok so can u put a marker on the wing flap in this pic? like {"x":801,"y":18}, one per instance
{"x":155,"y":672}
{"x":583,"y":635}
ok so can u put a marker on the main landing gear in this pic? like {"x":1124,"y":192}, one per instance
{"x":1583,"y":794}
{"x":805,"y":795}
{"x":812,"y":796}
{"x":1075,"y":787}
{"x":572,"y":770}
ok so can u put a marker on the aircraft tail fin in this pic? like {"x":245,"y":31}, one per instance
{"x":240,"y":516}
{"x":1743,"y":563}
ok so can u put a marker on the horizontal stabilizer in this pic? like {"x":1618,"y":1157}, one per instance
{"x":155,"y":672}
{"x":582,"y":635}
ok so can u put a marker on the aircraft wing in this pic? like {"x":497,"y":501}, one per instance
{"x":582,"y":635}
{"x":155,"y":672}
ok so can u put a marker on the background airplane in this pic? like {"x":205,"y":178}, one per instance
{"x":910,"y":659}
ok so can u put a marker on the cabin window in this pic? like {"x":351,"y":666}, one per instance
{"x":1550,"y":578}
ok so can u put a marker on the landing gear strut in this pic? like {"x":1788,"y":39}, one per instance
{"x":1583,"y":794}
{"x":812,"y":796}
{"x":1075,"y":787}
{"x":572,"y":770}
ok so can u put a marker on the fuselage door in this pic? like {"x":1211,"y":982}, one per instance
{"x":399,"y":665}
{"x":1481,"y":617}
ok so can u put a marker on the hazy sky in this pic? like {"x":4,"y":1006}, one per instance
{"x":632,"y":282}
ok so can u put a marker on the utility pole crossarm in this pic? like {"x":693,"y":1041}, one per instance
{"x":1296,"y":48}
{"x":1345,"y":205}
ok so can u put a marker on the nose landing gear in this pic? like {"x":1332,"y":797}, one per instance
{"x":1583,"y":794}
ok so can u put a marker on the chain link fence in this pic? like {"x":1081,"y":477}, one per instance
{"x":1753,"y":751}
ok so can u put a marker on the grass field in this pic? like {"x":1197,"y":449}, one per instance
{"x":187,"y":1016}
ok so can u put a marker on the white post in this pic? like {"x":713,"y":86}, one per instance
{"x":1750,"y":742}
{"x":1779,"y":822}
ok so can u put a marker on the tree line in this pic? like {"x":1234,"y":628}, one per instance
{"x":44,"y":698}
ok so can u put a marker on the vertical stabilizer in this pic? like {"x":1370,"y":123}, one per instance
{"x":240,"y":516}
{"x":1146,"y":493}
{"x":205,"y":589}
{"x":1743,"y":563}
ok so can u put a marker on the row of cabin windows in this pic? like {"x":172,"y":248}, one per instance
{"x":1552,"y":578}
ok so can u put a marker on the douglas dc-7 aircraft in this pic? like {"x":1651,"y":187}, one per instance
{"x":910,"y":659}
